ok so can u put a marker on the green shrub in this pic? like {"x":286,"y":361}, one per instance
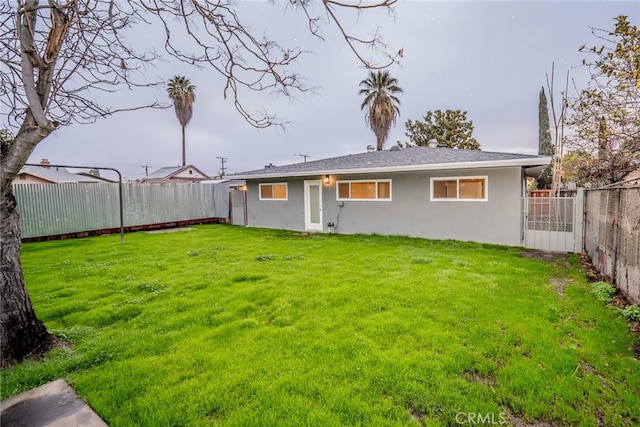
{"x":632,"y":313}
{"x":603,"y":291}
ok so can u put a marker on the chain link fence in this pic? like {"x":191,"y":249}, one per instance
{"x":612,"y":236}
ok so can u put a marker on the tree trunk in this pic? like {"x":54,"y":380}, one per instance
{"x":184,"y":151}
{"x":379,"y":142}
{"x":21,"y":333}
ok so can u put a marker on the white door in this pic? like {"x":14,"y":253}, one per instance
{"x":313,"y":205}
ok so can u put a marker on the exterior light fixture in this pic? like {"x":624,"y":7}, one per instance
{"x":326,"y":179}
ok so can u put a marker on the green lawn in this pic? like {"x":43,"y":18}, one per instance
{"x":241,"y":327}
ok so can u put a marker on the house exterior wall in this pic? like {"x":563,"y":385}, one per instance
{"x":287,"y":214}
{"x":409,"y":212}
{"x":189,"y":173}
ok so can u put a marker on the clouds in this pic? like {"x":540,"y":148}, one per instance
{"x":489,"y":58}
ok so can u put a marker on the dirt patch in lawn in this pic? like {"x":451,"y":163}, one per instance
{"x":560,"y":284}
{"x":561,"y":258}
{"x":48,"y":343}
{"x":545,"y":255}
{"x":589,"y":270}
{"x":591,"y":370}
{"x":519,"y":422}
{"x":480,"y":378}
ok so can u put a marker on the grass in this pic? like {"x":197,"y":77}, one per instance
{"x":239,"y":327}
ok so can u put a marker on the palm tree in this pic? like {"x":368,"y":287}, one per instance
{"x":183,"y":94}
{"x":380,"y":103}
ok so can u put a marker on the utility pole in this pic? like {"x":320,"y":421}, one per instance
{"x":223,"y":171}
{"x":146,"y":169}
{"x":304,"y":156}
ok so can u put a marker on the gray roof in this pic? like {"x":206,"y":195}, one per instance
{"x":165,"y":172}
{"x":398,"y":160}
{"x":57,"y":174}
{"x":169,"y":171}
{"x":98,"y":177}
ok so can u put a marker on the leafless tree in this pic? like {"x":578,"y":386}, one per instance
{"x":605,"y":116}
{"x":60,"y":56}
{"x":559,"y":115}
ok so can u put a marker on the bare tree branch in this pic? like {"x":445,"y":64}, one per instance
{"x":605,"y":116}
{"x":60,"y":56}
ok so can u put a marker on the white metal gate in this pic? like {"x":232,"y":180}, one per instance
{"x":552,"y":224}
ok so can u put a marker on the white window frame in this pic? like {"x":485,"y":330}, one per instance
{"x":376,"y":199}
{"x":273,"y":199}
{"x":457,"y":179}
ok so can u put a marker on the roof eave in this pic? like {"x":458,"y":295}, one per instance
{"x":534,"y":161}
{"x":183,"y":168}
{"x":38,"y":176}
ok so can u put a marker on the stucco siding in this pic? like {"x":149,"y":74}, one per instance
{"x":410,"y":211}
{"x":287,"y":214}
{"x":190,"y":173}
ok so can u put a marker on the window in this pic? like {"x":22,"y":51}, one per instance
{"x":364,"y":190}
{"x":273,"y":191}
{"x":459,"y":188}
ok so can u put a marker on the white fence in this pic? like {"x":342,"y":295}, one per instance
{"x":56,"y":209}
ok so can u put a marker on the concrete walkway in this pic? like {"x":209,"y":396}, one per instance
{"x":54,"y":404}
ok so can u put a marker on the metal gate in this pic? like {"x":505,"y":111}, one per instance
{"x":238,"y":207}
{"x":552,"y":224}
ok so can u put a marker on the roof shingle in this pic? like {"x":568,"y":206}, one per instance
{"x":413,"y":158}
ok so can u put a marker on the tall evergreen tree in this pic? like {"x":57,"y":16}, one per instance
{"x":545,"y":146}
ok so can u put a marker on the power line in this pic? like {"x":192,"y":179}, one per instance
{"x":223,"y":170}
{"x":146,"y":169}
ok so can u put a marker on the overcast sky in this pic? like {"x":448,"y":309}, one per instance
{"x":488,"y":58}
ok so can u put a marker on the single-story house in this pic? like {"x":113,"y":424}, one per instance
{"x":430,"y":192}
{"x":183,"y":174}
{"x":46,"y":174}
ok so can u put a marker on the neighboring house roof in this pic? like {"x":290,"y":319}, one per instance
{"x":231,"y":182}
{"x":172,"y":171}
{"x":56,"y":175}
{"x":399,"y":160}
{"x":98,"y":177}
